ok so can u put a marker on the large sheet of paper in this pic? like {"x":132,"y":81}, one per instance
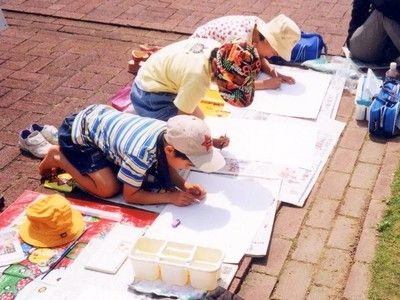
{"x":297,"y":182}
{"x":302,"y":100}
{"x":228,"y":218}
{"x":262,"y":238}
{"x":280,"y":140}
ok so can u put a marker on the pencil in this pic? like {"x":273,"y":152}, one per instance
{"x":179,"y":189}
{"x":64,"y":254}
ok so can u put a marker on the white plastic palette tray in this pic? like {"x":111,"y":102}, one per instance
{"x":176,"y":263}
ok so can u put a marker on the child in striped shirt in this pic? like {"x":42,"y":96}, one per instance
{"x":106,"y":151}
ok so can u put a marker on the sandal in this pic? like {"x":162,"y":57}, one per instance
{"x":139,"y":55}
{"x":149,"y":48}
{"x":60,"y":182}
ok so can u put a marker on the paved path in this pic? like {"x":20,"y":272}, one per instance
{"x":183,"y":16}
{"x":59,"y":56}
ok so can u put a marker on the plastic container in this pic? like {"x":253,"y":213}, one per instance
{"x":145,"y":258}
{"x":367,"y":87}
{"x":174,"y":259}
{"x":360,"y":112}
{"x":205,"y":267}
{"x":176,"y":263}
{"x":392,"y":73}
{"x":345,"y":73}
{"x":174,"y":271}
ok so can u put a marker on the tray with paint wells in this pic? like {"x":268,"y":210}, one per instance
{"x":176,"y":263}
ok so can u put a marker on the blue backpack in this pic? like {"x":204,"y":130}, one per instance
{"x":384,"y":111}
{"x":310,"y":46}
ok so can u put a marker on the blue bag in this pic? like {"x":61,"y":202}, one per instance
{"x":384,"y":111}
{"x":310,"y":46}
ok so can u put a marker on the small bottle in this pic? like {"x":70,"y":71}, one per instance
{"x":392,"y":73}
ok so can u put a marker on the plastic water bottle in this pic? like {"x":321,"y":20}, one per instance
{"x":392,"y":73}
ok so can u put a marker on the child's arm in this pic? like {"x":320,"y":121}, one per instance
{"x":276,"y":78}
{"x":272,"y":83}
{"x":266,"y":67}
{"x":197,"y":113}
{"x":137,"y":196}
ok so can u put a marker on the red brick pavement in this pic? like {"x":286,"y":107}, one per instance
{"x":183,"y":16}
{"x":59,"y":56}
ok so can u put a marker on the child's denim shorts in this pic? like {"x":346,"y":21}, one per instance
{"x":153,"y":105}
{"x":86,"y":159}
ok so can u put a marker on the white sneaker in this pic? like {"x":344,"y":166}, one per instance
{"x":33,"y":142}
{"x":49,"y":132}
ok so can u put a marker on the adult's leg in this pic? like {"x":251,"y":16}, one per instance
{"x":368,"y":41}
{"x":393,"y":31}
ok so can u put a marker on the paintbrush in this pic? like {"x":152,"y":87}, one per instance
{"x":64,"y":254}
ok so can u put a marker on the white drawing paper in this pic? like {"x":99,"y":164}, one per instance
{"x":281,"y":140}
{"x":228,"y":218}
{"x":302,"y":99}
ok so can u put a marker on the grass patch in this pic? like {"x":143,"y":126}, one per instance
{"x":385,"y":282}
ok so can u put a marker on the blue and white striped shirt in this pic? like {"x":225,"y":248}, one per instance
{"x":126,"y":139}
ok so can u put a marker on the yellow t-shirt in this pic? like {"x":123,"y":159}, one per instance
{"x":180,"y":68}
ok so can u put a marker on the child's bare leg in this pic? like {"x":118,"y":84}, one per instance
{"x":50,"y":161}
{"x":102,"y":183}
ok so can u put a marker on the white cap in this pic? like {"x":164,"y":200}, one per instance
{"x":282,"y":33}
{"x":191,"y":136}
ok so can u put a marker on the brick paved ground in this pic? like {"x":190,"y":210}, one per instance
{"x":59,"y":56}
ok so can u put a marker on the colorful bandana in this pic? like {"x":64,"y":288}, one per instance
{"x":238,"y":65}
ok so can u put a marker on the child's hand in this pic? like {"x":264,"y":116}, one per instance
{"x":181,"y":198}
{"x":287,"y":79}
{"x":191,"y":194}
{"x":272,"y":83}
{"x":196,"y":190}
{"x":221,"y":142}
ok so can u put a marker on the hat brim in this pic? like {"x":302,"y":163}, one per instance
{"x":286,"y":55}
{"x":210,"y":162}
{"x":266,"y":30}
{"x":48,"y":239}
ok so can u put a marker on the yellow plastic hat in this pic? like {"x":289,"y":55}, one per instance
{"x":51,"y":222}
